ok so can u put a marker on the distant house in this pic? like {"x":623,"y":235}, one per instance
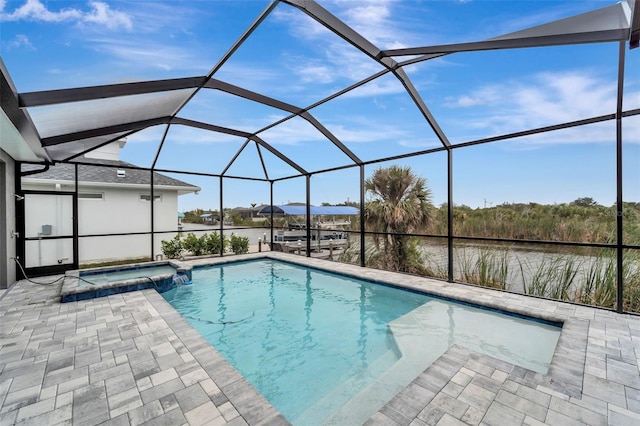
{"x":208,"y":218}
{"x":112,"y":199}
{"x":249,"y":213}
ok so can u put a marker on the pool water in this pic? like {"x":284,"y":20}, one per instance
{"x":330,"y":349}
{"x":111,"y":276}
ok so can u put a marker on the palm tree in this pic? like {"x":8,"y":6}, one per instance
{"x":399,"y":204}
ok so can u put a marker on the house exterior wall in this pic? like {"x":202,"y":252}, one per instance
{"x":113,"y":210}
{"x":122,"y":211}
{"x":47,"y":215}
{"x":108,"y":152}
{"x":7,"y":221}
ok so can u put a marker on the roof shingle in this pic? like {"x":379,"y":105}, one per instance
{"x":104,"y":171}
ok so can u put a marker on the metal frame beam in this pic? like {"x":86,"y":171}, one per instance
{"x":103,"y":131}
{"x":264,"y":167}
{"x":239,"y":133}
{"x":422,"y":107}
{"x":342,"y":30}
{"x":53,"y":97}
{"x":607,"y":24}
{"x":9,"y":101}
{"x":278,"y":154}
{"x":541,"y":41}
{"x":101,"y":144}
{"x":234,"y":157}
{"x":619,"y":184}
{"x":333,"y":24}
{"x":274,"y":103}
{"x":634,"y":31}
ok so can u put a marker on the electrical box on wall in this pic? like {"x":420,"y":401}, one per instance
{"x":46,"y":230}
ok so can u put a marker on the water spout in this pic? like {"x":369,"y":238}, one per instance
{"x":181,"y":279}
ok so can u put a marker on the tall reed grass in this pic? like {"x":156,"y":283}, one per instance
{"x":485,"y":267}
{"x":554,"y":277}
{"x":579,"y":278}
{"x":589,"y":280}
{"x":599,"y":283}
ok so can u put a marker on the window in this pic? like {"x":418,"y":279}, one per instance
{"x":147,"y":197}
{"x":91,"y":196}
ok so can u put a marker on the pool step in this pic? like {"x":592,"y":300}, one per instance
{"x":341,"y":395}
{"x":415,"y":349}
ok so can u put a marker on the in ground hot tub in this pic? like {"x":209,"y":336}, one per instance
{"x":100,"y":282}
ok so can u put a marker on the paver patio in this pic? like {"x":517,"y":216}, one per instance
{"x":132,"y":359}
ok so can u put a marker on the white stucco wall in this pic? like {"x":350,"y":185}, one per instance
{"x":120,"y":210}
{"x":107,"y":152}
{"x":48,"y":216}
{"x":7,"y":221}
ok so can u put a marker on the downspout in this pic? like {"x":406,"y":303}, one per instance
{"x":20,"y":225}
{"x":75,"y":223}
{"x":34,"y":172}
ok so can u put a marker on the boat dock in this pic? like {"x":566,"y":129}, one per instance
{"x":319,"y":248}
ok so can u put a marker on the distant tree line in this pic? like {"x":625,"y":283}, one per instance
{"x":582,"y":220}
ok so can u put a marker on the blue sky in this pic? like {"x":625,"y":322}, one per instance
{"x":60,"y":44}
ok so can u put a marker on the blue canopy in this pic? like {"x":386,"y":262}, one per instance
{"x":315,"y":210}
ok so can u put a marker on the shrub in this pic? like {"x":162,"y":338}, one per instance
{"x":239,"y":245}
{"x":197,"y":246}
{"x":213,"y":243}
{"x":173,"y":248}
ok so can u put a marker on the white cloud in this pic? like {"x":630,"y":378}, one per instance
{"x":102,"y":14}
{"x":374,"y":20}
{"x":99,"y":13}
{"x":332,"y":60}
{"x":359,"y":129}
{"x":485,"y":96}
{"x":20,"y":40}
{"x":379,"y":87}
{"x":151,"y":54}
{"x":34,"y":10}
{"x":315,"y":72}
{"x":541,"y":100}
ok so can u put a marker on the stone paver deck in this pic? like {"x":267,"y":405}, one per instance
{"x":132,"y":359}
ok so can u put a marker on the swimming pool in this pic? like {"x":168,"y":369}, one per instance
{"x":325,"y":348}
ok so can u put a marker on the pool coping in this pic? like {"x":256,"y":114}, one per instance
{"x":584,"y":383}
